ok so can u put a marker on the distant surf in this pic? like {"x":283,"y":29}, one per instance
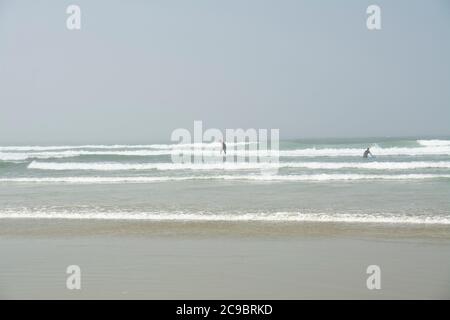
{"x":254,"y":177}
{"x":106,"y":166}
{"x":384,"y":218}
{"x":407,"y":181}
{"x":434,"y":143}
{"x":214,"y":151}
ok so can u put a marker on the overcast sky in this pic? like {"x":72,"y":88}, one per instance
{"x":137,"y":70}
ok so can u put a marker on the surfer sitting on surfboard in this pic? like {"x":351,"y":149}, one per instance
{"x":367,"y":152}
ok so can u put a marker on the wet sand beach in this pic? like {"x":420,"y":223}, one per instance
{"x":223,"y":260}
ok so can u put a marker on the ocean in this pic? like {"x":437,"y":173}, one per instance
{"x":406,"y":182}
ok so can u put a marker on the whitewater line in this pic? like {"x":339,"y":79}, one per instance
{"x":383,"y":218}
{"x":309,"y":177}
{"x":116,"y":166}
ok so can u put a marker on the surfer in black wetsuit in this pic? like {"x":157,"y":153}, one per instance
{"x":366,"y":153}
{"x":224,"y":148}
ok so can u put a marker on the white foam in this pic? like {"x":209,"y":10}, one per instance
{"x":97,"y":180}
{"x":334,"y":177}
{"x":7,"y":156}
{"x":309,"y":152}
{"x":109,"y":166}
{"x":434,"y":143}
{"x":384,"y":218}
{"x":213,"y":145}
{"x":377,"y":151}
{"x":373,"y":165}
{"x":54,"y":148}
{"x":307,"y":177}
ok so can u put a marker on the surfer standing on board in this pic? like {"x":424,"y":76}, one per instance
{"x":367,"y":152}
{"x":224,"y":147}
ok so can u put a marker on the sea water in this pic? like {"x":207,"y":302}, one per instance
{"x":406,"y":182}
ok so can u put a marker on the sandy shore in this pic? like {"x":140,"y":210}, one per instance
{"x":208,"y":260}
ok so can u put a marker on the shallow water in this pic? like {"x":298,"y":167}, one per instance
{"x":407,"y":182}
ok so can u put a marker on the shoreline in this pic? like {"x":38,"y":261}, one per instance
{"x":62,"y":228}
{"x":210,"y":260}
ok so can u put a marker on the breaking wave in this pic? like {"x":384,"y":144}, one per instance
{"x":306,"y":177}
{"x":433,"y":143}
{"x":107,"y":166}
{"x":309,"y":152}
{"x":383,"y":218}
{"x":213,"y":145}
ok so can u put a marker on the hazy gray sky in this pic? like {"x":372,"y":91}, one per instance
{"x":139,"y":69}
